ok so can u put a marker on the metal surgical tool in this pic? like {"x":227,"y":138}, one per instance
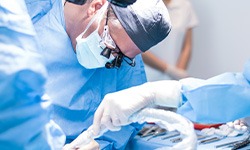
{"x":158,"y":132}
{"x":148,"y":131}
{"x":226,"y":144}
{"x":176,"y":140}
{"x":170,"y":135}
{"x":200,"y":137}
{"x":241,"y":144}
{"x":210,"y":140}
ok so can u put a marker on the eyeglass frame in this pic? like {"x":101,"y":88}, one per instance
{"x":116,"y":63}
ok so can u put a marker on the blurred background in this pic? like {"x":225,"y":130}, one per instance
{"x":222,"y":40}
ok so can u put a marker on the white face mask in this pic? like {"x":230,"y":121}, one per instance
{"x":88,"y":49}
{"x":88,"y":52}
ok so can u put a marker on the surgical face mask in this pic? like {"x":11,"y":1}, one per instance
{"x":88,"y":50}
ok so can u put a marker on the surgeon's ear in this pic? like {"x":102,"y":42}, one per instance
{"x":95,"y":5}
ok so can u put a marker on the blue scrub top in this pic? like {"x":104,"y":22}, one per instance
{"x":75,"y":91}
{"x":220,"y":99}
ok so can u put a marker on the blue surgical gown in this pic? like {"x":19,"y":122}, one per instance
{"x":220,"y":99}
{"x":75,"y":91}
{"x":24,"y":116}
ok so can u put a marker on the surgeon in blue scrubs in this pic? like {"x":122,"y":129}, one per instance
{"x":70,"y":35}
{"x":220,"y":99}
{"x":24,"y":115}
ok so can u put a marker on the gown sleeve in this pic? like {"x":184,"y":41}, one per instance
{"x":24,"y":119}
{"x":220,"y":99}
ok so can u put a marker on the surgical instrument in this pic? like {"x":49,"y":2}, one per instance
{"x":175,"y":140}
{"x":149,"y":131}
{"x":227,"y":144}
{"x":210,"y":140}
{"x":158,"y":132}
{"x":142,"y":131}
{"x":241,"y":144}
{"x":200,"y":137}
{"x":171,"y":134}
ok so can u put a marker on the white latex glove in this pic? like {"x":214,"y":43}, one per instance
{"x":117,"y":107}
{"x":176,"y":73}
{"x":92,"y":145}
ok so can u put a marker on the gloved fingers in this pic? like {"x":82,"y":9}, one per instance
{"x":116,"y":128}
{"x":108,"y":123}
{"x":123,"y":119}
{"x":97,"y":119}
{"x":116,"y":121}
{"x":92,"y":145}
{"x":120,"y":120}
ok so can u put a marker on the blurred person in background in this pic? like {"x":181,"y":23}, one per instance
{"x":170,"y":58}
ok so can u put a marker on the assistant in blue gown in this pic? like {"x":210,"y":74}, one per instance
{"x":75,"y":91}
{"x":24,"y":117}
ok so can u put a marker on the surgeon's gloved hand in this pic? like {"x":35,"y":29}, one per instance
{"x":92,"y":145}
{"x":116,"y":108}
{"x":176,"y":73}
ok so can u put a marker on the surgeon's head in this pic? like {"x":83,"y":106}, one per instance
{"x":104,"y":32}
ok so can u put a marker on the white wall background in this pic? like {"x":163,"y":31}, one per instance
{"x":222,"y":40}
